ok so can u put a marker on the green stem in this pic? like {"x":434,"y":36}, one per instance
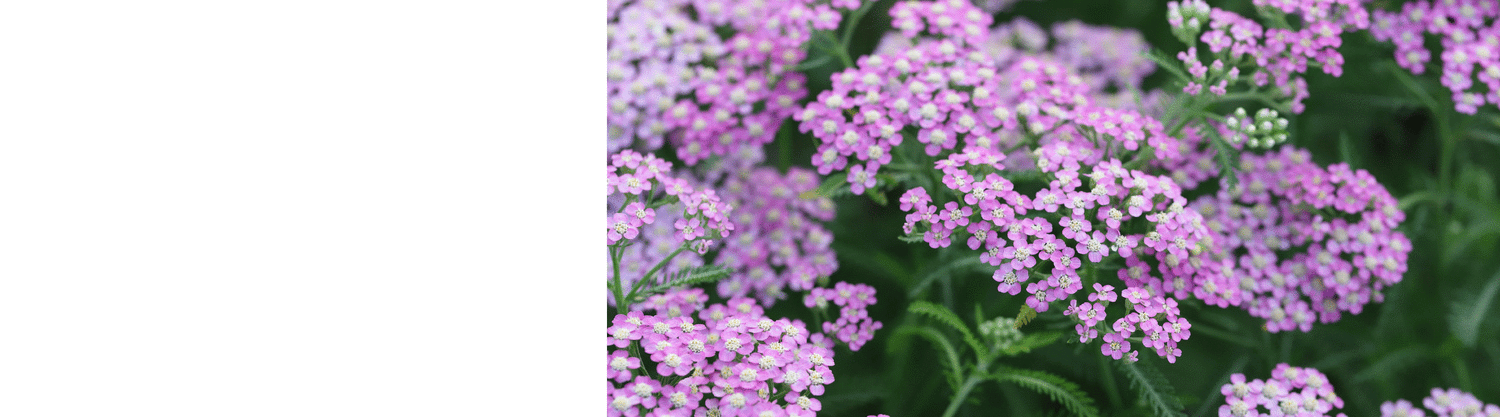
{"x":1445,"y":167}
{"x":1462,"y":371}
{"x":1109,"y":383}
{"x":963,"y":393}
{"x":836,"y":48}
{"x":1187,"y":116}
{"x":1203,"y":328}
{"x":853,"y":22}
{"x":649,"y":274}
{"x":784,"y":150}
{"x":614,"y":279}
{"x":1445,"y":162}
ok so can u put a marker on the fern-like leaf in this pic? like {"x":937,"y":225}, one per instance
{"x":950,"y":357}
{"x":1166,"y":62}
{"x":1225,"y":157}
{"x":1468,"y":313}
{"x":1032,"y":341}
{"x":1156,"y":393}
{"x":912,"y":238}
{"x":946,"y":316}
{"x":833,"y":186}
{"x":688,"y":277}
{"x":1394,"y":361}
{"x":1058,"y":388}
{"x":1027,"y":313}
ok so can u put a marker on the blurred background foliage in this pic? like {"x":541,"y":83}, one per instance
{"x":1438,"y":328}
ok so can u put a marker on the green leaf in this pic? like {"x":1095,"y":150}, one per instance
{"x":938,"y":339}
{"x":813,"y":63}
{"x":1031,"y":342}
{"x":688,"y":277}
{"x":946,"y":271}
{"x":1059,"y":389}
{"x":1171,"y":64}
{"x":1470,"y":311}
{"x":1394,"y":361}
{"x":1027,"y":313}
{"x":833,"y":186}
{"x":1346,"y":150}
{"x":1226,"y":158}
{"x":878,"y":196}
{"x":1156,"y":393}
{"x":946,"y":316}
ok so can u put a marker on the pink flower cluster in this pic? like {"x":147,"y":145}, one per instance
{"x":854,"y":325}
{"x":953,"y":19}
{"x":780,"y":242}
{"x":1089,"y":210}
{"x":1443,"y":403}
{"x":948,"y":100}
{"x":1157,"y":318}
{"x":1298,"y":242}
{"x":734,"y":362}
{"x":638,"y":178}
{"x":1291,"y":391}
{"x":1469,"y":38}
{"x":652,"y":216}
{"x":672,"y":76}
{"x":655,"y":48}
{"x":1269,"y":55}
{"x":1103,"y":57}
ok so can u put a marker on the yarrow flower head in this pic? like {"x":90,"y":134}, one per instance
{"x":1090,"y":210}
{"x":1298,"y":242}
{"x":672,"y":76}
{"x":1245,"y":53}
{"x":854,"y":326}
{"x":1449,"y":402}
{"x":724,"y":363}
{"x":1291,"y":391}
{"x":780,"y":242}
{"x":1470,"y":40}
{"x":652,"y":216}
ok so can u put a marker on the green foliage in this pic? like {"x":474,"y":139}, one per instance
{"x":1030,"y":342}
{"x":833,"y":186}
{"x":1389,"y":363}
{"x":946,"y":316}
{"x":1155,"y":392}
{"x":1436,"y":328}
{"x":950,"y":354}
{"x":1470,"y":311}
{"x":1059,"y":389}
{"x":1025,"y":316}
{"x":699,"y":275}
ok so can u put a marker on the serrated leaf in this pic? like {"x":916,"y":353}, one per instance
{"x":938,"y":339}
{"x":1394,"y":361}
{"x":946,"y":316}
{"x":688,"y":277}
{"x":1032,"y":342}
{"x":1468,"y":313}
{"x":878,"y":196}
{"x":833,"y":186}
{"x":946,"y":271}
{"x":1171,"y":64}
{"x":1346,"y":149}
{"x":1025,"y":316}
{"x":1056,"y":387}
{"x":1155,"y":392}
{"x":1225,"y":157}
